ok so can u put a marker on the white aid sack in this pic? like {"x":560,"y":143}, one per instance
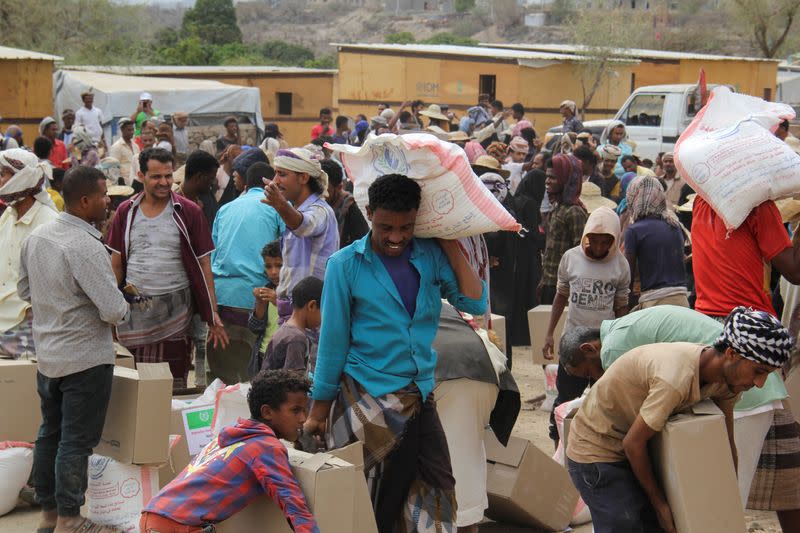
{"x":231,"y":404}
{"x":117,"y":492}
{"x":550,"y":390}
{"x":581,"y":514}
{"x":731,"y":157}
{"x":455,"y":203}
{"x":16,"y":461}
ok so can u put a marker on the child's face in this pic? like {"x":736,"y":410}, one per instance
{"x":272,"y":268}
{"x":599,"y":245}
{"x":288,"y":419}
{"x":518,"y":157}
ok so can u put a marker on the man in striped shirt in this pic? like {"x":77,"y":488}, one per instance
{"x":297,"y":193}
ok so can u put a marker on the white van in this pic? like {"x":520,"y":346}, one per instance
{"x":654,"y":117}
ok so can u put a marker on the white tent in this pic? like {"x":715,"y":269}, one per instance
{"x":206,"y":101}
{"x":789,"y":87}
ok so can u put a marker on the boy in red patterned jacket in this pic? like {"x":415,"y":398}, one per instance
{"x":245,"y":462}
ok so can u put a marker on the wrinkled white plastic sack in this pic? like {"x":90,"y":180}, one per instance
{"x":550,"y":390}
{"x":117,"y":492}
{"x":455,"y":203}
{"x":731,"y":157}
{"x":230,"y":405}
{"x":581,"y":514}
{"x":16,"y":460}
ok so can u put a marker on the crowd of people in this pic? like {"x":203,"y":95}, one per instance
{"x":256,"y":264}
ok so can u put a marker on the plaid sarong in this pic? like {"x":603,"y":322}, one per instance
{"x":406,"y":460}
{"x":776,"y":483}
{"x":159,"y":331}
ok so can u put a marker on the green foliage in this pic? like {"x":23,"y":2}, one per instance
{"x":561,"y":11}
{"x":402,"y":37}
{"x":212,"y":21}
{"x":324,"y":62}
{"x":450,"y":38}
{"x":405,"y":37}
{"x":283,"y":53}
{"x":190,"y":51}
{"x":462,"y":6}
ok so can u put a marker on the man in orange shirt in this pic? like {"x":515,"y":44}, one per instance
{"x":48,"y":127}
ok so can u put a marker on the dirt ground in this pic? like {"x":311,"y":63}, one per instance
{"x":531,"y":424}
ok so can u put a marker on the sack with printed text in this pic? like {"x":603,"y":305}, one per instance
{"x":455,"y":203}
{"x":730,"y":155}
{"x":116,"y":492}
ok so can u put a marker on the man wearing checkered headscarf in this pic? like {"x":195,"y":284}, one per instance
{"x":757,"y":336}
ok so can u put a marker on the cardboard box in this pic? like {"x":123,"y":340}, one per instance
{"x":692,"y":459}
{"x":793,"y":387}
{"x":329,"y":485}
{"x":364,"y":516}
{"x":177,"y":461}
{"x":499,"y":327}
{"x":123,"y":357}
{"x":538,"y":320}
{"x":526,"y":486}
{"x":21,"y":415}
{"x":138,"y":418}
{"x":567,"y":425}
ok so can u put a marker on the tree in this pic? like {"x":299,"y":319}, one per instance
{"x":213,"y":22}
{"x":768,"y":21}
{"x":283,"y":53}
{"x":561,"y":11}
{"x":602,"y":38}
{"x":401,"y":37}
{"x":449,"y":38}
{"x":462,"y":6}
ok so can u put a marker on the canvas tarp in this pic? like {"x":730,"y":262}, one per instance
{"x":206,"y":101}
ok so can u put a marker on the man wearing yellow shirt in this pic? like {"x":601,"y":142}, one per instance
{"x":607,"y":452}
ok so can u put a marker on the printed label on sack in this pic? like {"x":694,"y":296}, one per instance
{"x":197,"y":426}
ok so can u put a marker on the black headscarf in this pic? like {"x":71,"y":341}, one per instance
{"x":528,"y":199}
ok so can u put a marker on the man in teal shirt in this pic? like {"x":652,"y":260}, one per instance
{"x":587,"y":353}
{"x":241,"y":230}
{"x":375,"y":365}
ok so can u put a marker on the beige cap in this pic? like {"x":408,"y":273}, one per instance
{"x":489,"y":162}
{"x":434,"y":111}
{"x":592,"y":197}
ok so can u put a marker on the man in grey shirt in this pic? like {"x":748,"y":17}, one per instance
{"x":65,"y":272}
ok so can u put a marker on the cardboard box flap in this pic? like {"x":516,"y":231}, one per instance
{"x":315,"y":462}
{"x":153,"y":371}
{"x":510,"y":455}
{"x":353,"y":454}
{"x":706,"y":407}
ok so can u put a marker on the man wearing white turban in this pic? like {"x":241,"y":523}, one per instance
{"x":297,"y":193}
{"x":30,"y":206}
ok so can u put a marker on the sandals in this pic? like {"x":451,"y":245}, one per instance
{"x":87,"y":526}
